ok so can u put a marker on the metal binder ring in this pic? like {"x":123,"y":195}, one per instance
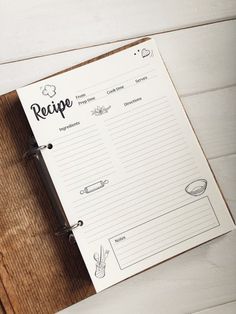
{"x":78,"y":224}
{"x":35,"y":150}
{"x":66,"y":229}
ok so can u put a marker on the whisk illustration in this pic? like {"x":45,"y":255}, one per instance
{"x":100,"y":259}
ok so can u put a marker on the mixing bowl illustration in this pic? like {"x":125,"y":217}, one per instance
{"x":197,"y":187}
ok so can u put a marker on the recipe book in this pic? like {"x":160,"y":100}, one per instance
{"x":125,"y":163}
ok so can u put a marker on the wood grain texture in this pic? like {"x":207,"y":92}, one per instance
{"x":44,"y":27}
{"x":39,"y":272}
{"x":5,"y":302}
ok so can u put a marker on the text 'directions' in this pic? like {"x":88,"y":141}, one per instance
{"x":163,"y":232}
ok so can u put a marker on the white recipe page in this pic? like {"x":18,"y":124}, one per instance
{"x":125,"y":162}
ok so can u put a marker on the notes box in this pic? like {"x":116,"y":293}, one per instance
{"x":164,"y":231}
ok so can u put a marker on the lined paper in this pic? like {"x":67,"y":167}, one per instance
{"x":125,"y":161}
{"x":70,"y":153}
{"x":163,"y":231}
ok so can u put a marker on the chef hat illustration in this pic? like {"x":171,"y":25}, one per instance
{"x":49,"y":90}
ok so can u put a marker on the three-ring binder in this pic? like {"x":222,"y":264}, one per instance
{"x":34,"y":152}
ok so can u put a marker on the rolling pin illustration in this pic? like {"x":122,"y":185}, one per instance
{"x":94,"y":187}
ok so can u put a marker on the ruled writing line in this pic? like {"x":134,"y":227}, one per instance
{"x":137,"y":113}
{"x":165,"y":224}
{"x":90,"y":169}
{"x":132,"y":110}
{"x":154,"y":201}
{"x":120,"y":249}
{"x":79,"y":141}
{"x":74,"y":132}
{"x":141,"y":129}
{"x":96,"y":158}
{"x":185,"y":236}
{"x":137,"y":221}
{"x":134,"y":208}
{"x":95,"y":161}
{"x":96,"y":155}
{"x":87,"y":172}
{"x":122,"y":184}
{"x":125,"y":183}
{"x":88,"y":149}
{"x":114,"y":77}
{"x":154,"y":147}
{"x":120,"y":82}
{"x":125,"y":87}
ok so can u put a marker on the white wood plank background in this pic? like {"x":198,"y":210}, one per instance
{"x":226,"y":308}
{"x":34,"y":28}
{"x":213,"y":117}
{"x":198,"y":59}
{"x":197,"y":41}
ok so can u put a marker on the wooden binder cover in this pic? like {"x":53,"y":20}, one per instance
{"x":39,"y":272}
